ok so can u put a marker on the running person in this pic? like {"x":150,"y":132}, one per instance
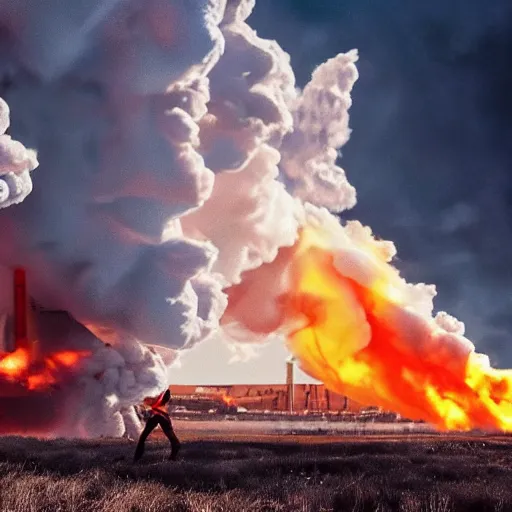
{"x":158,"y":415}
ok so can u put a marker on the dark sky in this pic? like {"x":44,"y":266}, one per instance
{"x":431,"y":148}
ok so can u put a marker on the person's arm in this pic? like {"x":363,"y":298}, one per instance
{"x":164,"y":398}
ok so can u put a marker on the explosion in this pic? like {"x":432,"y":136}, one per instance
{"x":352,"y":323}
{"x":187,"y":188}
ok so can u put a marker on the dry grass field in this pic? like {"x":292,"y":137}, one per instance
{"x":259,"y":473}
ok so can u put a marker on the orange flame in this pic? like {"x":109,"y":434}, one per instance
{"x":68,"y":358}
{"x":39,"y":374}
{"x":354,"y":342}
{"x":228,"y":400}
{"x":13,"y":365}
{"x":351,"y":322}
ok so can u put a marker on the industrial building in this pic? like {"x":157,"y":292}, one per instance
{"x":284,"y":398}
{"x":264,"y":397}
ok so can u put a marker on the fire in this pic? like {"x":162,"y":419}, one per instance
{"x":68,"y":358}
{"x":27,"y":365}
{"x":37,"y":374}
{"x":362,"y":341}
{"x":353,"y":323}
{"x":14,"y":364}
{"x":228,"y":400}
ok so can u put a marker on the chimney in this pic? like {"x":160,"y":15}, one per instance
{"x":24,"y":328}
{"x":20,"y":308}
{"x":290,"y":384}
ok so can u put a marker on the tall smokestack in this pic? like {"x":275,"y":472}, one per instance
{"x":289,"y":383}
{"x":20,"y":308}
{"x":24,"y":328}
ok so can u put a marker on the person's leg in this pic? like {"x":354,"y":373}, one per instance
{"x":171,"y":435}
{"x":150,"y":425}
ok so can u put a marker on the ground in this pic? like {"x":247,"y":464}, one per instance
{"x":260,"y":473}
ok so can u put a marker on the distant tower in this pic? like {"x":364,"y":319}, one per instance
{"x":289,"y":384}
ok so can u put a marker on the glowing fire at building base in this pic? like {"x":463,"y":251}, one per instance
{"x":19,"y":367}
{"x":28,"y":365}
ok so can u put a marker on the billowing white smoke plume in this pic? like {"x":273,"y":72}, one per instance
{"x":16,"y":162}
{"x":175,"y":153}
{"x":320,"y":126}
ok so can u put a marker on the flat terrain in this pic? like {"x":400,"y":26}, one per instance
{"x":260,"y":472}
{"x":232,"y":426}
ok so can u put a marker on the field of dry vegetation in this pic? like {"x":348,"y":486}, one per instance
{"x":423,"y":475}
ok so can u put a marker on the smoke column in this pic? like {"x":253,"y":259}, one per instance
{"x":185,"y":188}
{"x":16,"y":163}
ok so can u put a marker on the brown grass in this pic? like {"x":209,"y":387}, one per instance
{"x":412,"y":476}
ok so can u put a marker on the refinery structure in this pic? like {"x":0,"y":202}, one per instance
{"x":268,"y":400}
